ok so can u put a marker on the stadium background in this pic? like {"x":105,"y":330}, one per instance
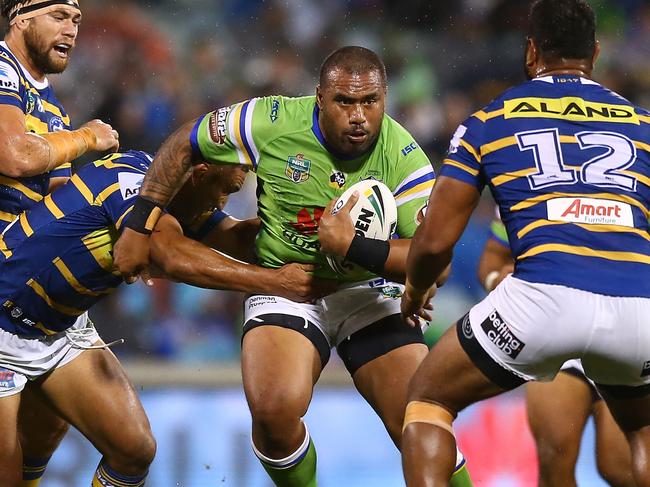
{"x":145,"y":67}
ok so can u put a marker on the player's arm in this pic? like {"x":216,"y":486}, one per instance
{"x":25,"y":154}
{"x":451,"y":203}
{"x":495,"y":263}
{"x":185,"y":260}
{"x":433,"y":243}
{"x":234,"y":237}
{"x":211,"y":138}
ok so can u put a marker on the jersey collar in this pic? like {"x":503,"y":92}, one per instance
{"x":315,"y":128}
{"x":39,"y":85}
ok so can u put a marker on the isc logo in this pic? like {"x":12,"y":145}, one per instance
{"x":409,"y":148}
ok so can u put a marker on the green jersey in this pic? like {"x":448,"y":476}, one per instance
{"x":297,"y":175}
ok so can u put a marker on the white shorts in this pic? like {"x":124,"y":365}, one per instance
{"x":23,"y":359}
{"x":532,"y":329}
{"x":332,"y":320}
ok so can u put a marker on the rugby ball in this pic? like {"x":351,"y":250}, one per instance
{"x":374,"y":216}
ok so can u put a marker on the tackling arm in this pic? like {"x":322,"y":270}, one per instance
{"x":185,"y":260}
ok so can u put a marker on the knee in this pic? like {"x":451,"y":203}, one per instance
{"x":615,"y":473}
{"x":557,"y":458}
{"x":134,"y":452}
{"x":277,"y":409}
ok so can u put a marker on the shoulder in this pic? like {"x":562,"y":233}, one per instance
{"x":11,"y":77}
{"x":395,"y":140}
{"x":126,"y":170}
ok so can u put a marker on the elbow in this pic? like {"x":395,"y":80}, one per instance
{"x":16,"y":166}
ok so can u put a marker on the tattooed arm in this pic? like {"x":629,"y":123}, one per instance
{"x":167,"y":173}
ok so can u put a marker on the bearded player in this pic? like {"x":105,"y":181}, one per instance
{"x":36,"y":148}
{"x":56,"y":263}
{"x":307,"y":151}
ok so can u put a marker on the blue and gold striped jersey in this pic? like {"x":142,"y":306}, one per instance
{"x":43,"y":113}
{"x":57,"y":257}
{"x":568,"y":163}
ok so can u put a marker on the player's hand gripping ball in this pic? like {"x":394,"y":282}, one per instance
{"x":374,"y":216}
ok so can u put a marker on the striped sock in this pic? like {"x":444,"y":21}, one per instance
{"x":33,"y":470}
{"x":296,"y":470}
{"x":460,"y":477}
{"x":105,"y":476}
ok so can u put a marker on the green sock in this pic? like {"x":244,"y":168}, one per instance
{"x":296,"y":470}
{"x":461,"y":478}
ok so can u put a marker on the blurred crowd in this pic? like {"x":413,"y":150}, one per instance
{"x":147,"y":66}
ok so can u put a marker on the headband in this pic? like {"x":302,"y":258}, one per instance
{"x":35,"y":8}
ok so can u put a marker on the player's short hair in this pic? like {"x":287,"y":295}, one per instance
{"x":352,"y":60}
{"x":563,"y":28}
{"x":7,"y":6}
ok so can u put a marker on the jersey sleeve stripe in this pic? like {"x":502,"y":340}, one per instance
{"x":61,"y":308}
{"x":461,"y":166}
{"x":497,"y":145}
{"x":545,"y":197}
{"x":471,"y":150}
{"x":54,"y":209}
{"x":82,"y":188}
{"x":410,"y":182}
{"x":484,"y":116}
{"x":414,"y":175}
{"x":248,"y":152}
{"x":24,"y":224}
{"x":586,"y":252}
{"x":194,"y":137}
{"x":12,"y":183}
{"x":249,"y":140}
{"x":235,"y":134}
{"x":421,"y":191}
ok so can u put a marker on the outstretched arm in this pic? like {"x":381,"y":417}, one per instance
{"x":433,"y":243}
{"x":185,"y":260}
